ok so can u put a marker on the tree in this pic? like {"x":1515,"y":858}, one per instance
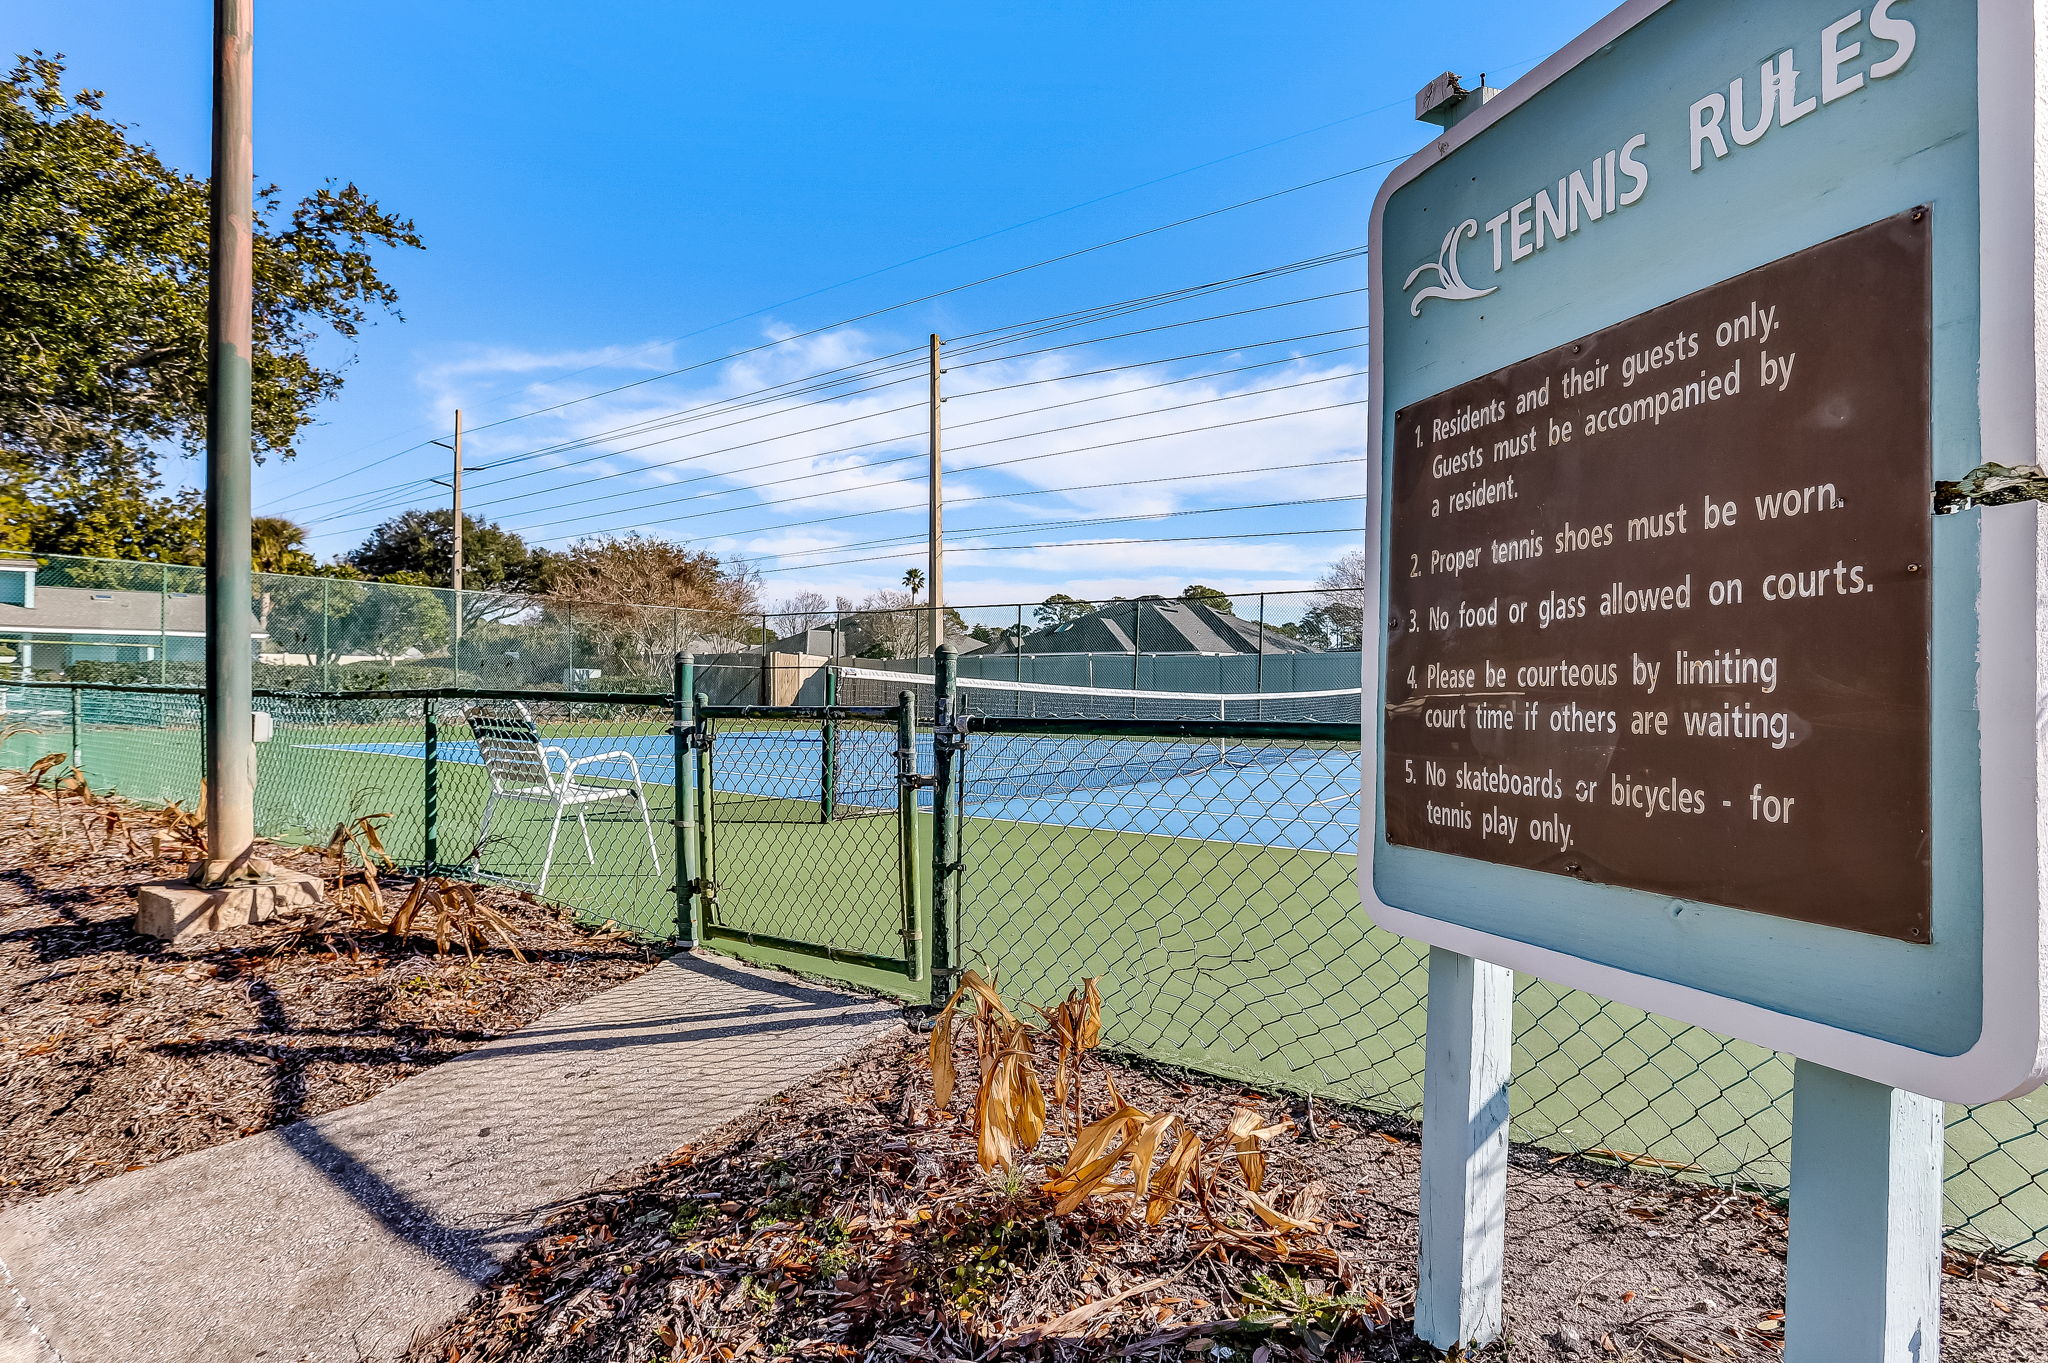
{"x":804,"y":610}
{"x":1335,"y":619}
{"x":314,"y":618}
{"x":913,"y":581}
{"x":1212,"y":597}
{"x":279,"y":546}
{"x":421,"y":543}
{"x":103,"y":308}
{"x":1058,"y":609}
{"x":890,"y":624}
{"x":613,"y":584}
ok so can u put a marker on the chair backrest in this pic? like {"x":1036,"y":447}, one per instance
{"x":508,"y":741}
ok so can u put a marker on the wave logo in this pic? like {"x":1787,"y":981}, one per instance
{"x":1449,"y":282}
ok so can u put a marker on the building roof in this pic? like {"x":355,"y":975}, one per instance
{"x":1154,"y":624}
{"x":89,"y":610}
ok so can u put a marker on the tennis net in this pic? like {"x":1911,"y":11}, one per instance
{"x":1039,"y":700}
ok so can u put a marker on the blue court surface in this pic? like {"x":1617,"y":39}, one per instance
{"x":1276,"y":795}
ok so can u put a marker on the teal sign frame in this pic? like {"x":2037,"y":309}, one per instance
{"x":1869,"y":111}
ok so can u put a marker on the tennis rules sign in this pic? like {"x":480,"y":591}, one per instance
{"x":1659,"y":603}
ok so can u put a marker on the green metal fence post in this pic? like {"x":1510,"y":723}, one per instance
{"x":430,"y":797}
{"x":828,"y":740}
{"x":684,"y":786}
{"x":907,"y":786}
{"x":707,"y":862}
{"x":948,"y":749}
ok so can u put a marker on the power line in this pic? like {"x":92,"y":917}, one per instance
{"x":1045,"y":492}
{"x":1076,"y":544}
{"x":501,"y":502}
{"x":971,"y":284}
{"x":1026,"y":527}
{"x":979,"y":421}
{"x":362,"y":502}
{"x":973,"y":468}
{"x":971,"y":445}
{"x":982,"y":340}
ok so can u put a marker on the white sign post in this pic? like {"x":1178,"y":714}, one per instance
{"x":1686,"y":696}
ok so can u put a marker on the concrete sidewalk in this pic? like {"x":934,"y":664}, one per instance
{"x":338,"y":1237}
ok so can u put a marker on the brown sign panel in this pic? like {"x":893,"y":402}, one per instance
{"x":1659,"y":598}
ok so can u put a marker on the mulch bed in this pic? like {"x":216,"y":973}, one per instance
{"x":117,"y":1051}
{"x":848,"y":1220}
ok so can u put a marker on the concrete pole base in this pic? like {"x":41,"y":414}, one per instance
{"x":178,"y":910}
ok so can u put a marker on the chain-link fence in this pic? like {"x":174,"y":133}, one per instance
{"x":457,"y":779}
{"x":1200,"y":868}
{"x":1206,"y":879}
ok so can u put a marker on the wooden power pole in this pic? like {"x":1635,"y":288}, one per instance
{"x":935,"y":550}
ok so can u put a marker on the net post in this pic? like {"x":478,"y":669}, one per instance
{"x":683,"y":798}
{"x":77,"y":757}
{"x":948,"y":750}
{"x":906,"y":830}
{"x":430,"y":794}
{"x":828,"y":751}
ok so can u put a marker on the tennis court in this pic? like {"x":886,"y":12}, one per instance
{"x":1303,"y":797}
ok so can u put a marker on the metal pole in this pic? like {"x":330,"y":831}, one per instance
{"x":682,"y":782}
{"x":906,"y":828}
{"x":935,"y":547}
{"x":430,"y":798}
{"x":230,"y":732}
{"x":707,"y":832}
{"x":828,"y":785}
{"x":947,"y":754}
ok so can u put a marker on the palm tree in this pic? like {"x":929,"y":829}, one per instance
{"x":913,"y":578}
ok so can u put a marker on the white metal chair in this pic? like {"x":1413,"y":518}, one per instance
{"x":517,"y":762}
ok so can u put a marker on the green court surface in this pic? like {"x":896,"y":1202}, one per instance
{"x":1239,"y":959}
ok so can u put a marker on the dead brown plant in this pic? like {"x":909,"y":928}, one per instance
{"x":1145,"y":1162}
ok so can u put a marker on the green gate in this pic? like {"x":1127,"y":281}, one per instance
{"x":808,"y":832}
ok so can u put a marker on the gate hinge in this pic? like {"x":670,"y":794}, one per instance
{"x":951,"y":736}
{"x":702,"y":888}
{"x":912,"y":780}
{"x":695,"y":736}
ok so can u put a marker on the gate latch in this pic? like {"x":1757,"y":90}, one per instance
{"x":702,"y":888}
{"x":696,"y":737}
{"x":951,"y":736}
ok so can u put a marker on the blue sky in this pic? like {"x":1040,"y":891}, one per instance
{"x":610,"y":192}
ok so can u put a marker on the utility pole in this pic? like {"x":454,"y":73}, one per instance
{"x":935,"y":568}
{"x":230,"y":724}
{"x":454,"y":485}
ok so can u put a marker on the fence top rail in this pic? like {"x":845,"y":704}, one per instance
{"x":1305,"y":730}
{"x":408,"y":693}
{"x":809,"y":712}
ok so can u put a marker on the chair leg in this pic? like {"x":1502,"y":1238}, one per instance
{"x":547,"y":861}
{"x":647,"y":822}
{"x":483,"y":831}
{"x":589,"y":852}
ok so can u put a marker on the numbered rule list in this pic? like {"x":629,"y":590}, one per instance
{"x":1659,"y":601}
